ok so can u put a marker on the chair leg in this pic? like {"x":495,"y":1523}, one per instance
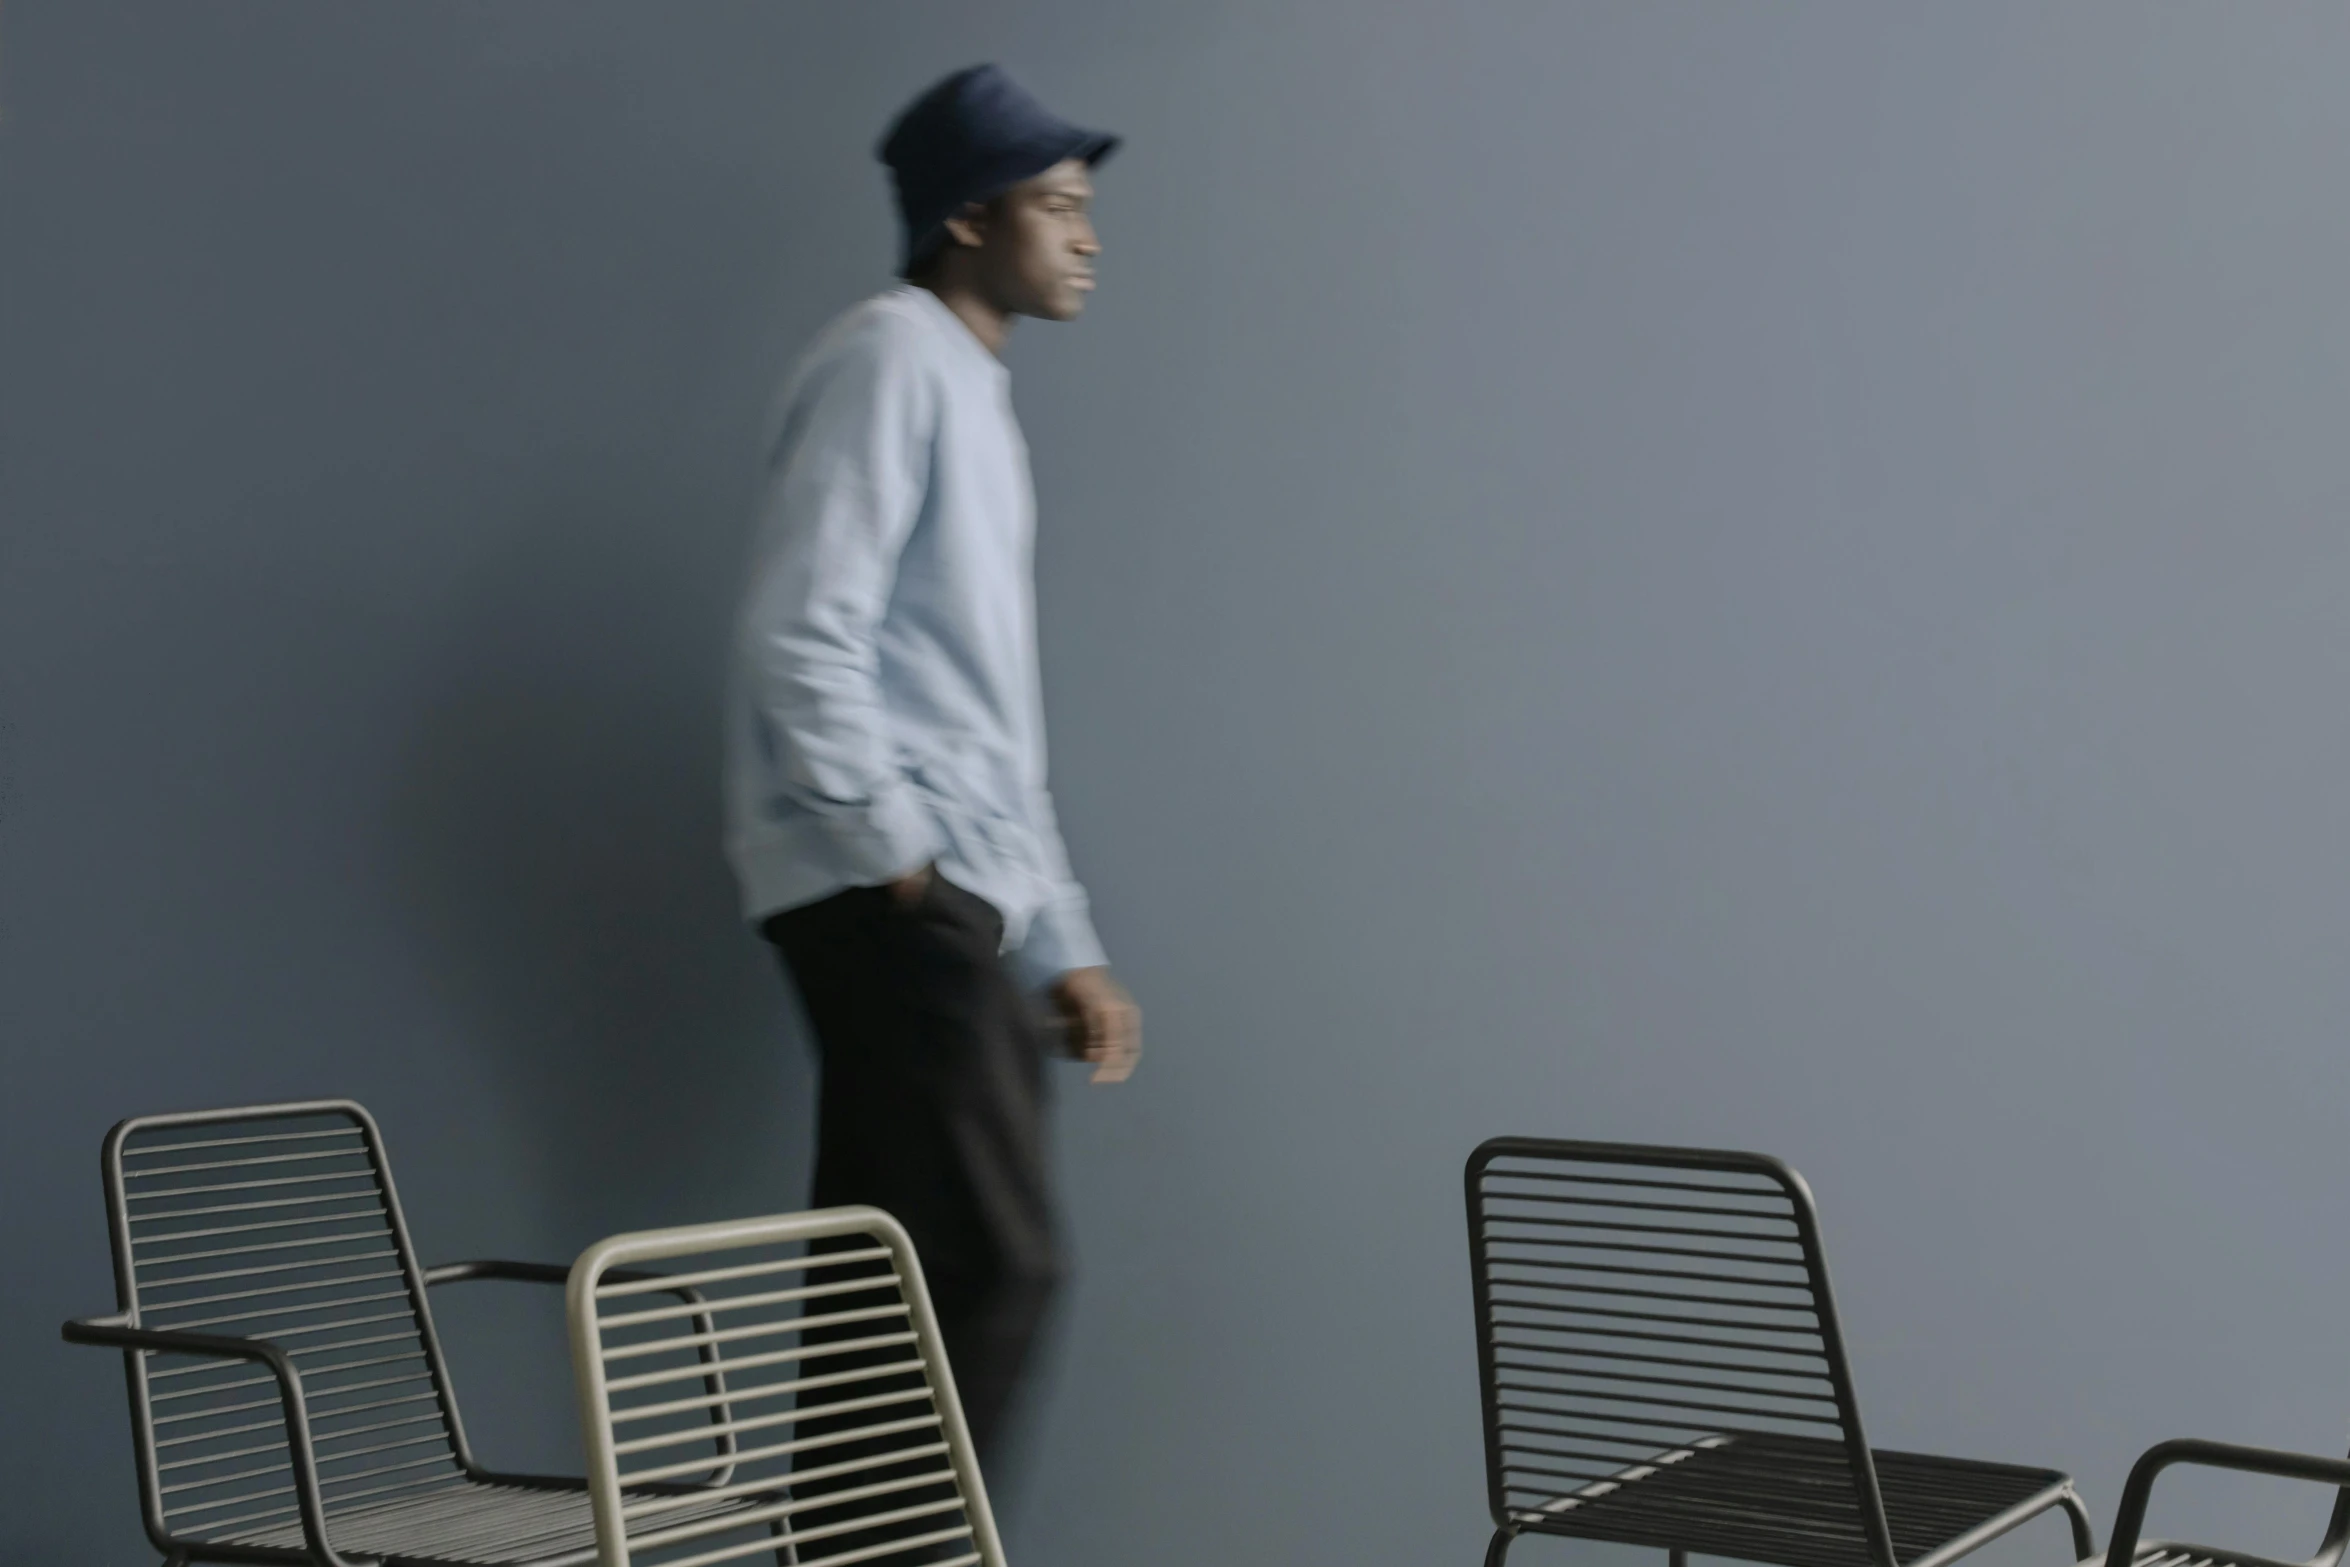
{"x":2077,"y":1514}
{"x":1500,"y":1547}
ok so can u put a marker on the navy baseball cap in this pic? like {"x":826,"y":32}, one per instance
{"x":971,"y":137}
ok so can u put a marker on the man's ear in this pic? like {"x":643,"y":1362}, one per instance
{"x":969,"y":227}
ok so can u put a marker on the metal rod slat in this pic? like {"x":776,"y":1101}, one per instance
{"x":720,"y":1304}
{"x":438,"y":1438}
{"x":404,"y":1422}
{"x":549,"y":1524}
{"x":716,"y":1336}
{"x":1526,"y":1347}
{"x":1811,"y":1505}
{"x":746,"y":1270}
{"x":233,"y":1501}
{"x":1766,"y":1192}
{"x":798,"y":1477}
{"x":327,"y":1481}
{"x":269,"y":1183}
{"x":264,"y":1380}
{"x":1641,"y":1421}
{"x":247,"y":1164}
{"x":426,"y":1397}
{"x":358,"y":1343}
{"x":655,"y":1378}
{"x":1629,"y":1205}
{"x":1541,"y":1222}
{"x":1668,"y":1297}
{"x":225,"y":1432}
{"x":845,"y":1558}
{"x":314,"y":1349}
{"x":274,"y":1335}
{"x":348,"y":1388}
{"x":270,"y":1290}
{"x":285,"y":1515}
{"x":1765,"y":1514}
{"x":337,"y":1369}
{"x":1646,"y":1402}
{"x":267,"y":1313}
{"x":199,"y":1460}
{"x":372,"y":1192}
{"x":226,"y":1479}
{"x":751,"y":1455}
{"x":270,"y":1224}
{"x":146,"y":1149}
{"x":1578,"y":1478}
{"x":1576,"y":1264}
{"x":1701,"y":1341}
{"x":752,"y":1394}
{"x":1750,"y":1388}
{"x":1639,"y":1446}
{"x":197,"y":1370}
{"x":762,"y":1422}
{"x":278,"y":1424}
{"x":147,"y":1259}
{"x":1567,"y":1454}
{"x":750,"y":1515}
{"x":841,"y":1559}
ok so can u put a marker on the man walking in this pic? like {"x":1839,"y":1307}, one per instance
{"x":887,"y":816}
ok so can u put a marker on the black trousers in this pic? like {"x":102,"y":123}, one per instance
{"x":932,"y":1108}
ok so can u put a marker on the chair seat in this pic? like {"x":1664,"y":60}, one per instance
{"x":2178,"y":1553}
{"x":1758,"y":1496}
{"x":473,"y":1524}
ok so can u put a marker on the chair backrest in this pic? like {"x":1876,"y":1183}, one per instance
{"x":848,"y":1443}
{"x":280,"y":1223}
{"x":1637,"y":1306}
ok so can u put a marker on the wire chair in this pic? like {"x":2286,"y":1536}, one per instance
{"x":1661,"y":1365}
{"x":288,"y":1395}
{"x":852,"y":1443}
{"x":2130,"y":1549}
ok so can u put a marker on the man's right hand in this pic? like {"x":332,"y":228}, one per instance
{"x":908,"y":890}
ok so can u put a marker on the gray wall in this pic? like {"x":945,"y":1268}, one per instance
{"x":1767,"y":575}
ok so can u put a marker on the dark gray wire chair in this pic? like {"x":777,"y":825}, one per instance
{"x":2130,"y":1550}
{"x":285,"y":1381}
{"x":1662,"y":1366}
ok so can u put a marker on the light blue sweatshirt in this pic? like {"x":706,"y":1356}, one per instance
{"x":885,"y":710}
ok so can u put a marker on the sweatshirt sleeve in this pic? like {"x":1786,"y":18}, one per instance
{"x":1062,"y":936}
{"x":843,"y":489}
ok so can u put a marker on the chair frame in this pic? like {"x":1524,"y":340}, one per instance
{"x":1859,"y":1456}
{"x":2128,"y":1548}
{"x":121,"y":1330}
{"x":621,"y":1257}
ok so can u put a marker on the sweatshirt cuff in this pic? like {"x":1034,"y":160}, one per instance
{"x":1060,"y":938}
{"x":894,"y":837}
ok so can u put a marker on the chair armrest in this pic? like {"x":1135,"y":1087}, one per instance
{"x":516,"y":1272}
{"x":721,"y":1414}
{"x":116,"y":1332}
{"x":2131,"y":1518}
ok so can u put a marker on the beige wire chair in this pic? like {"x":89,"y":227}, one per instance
{"x":849,"y":1444}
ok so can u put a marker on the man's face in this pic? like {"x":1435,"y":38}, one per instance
{"x":1036,"y":244}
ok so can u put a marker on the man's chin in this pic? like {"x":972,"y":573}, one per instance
{"x":1062,"y":304}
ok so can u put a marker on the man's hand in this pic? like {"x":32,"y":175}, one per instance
{"x":1102,"y":1023}
{"x":908,"y":889}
